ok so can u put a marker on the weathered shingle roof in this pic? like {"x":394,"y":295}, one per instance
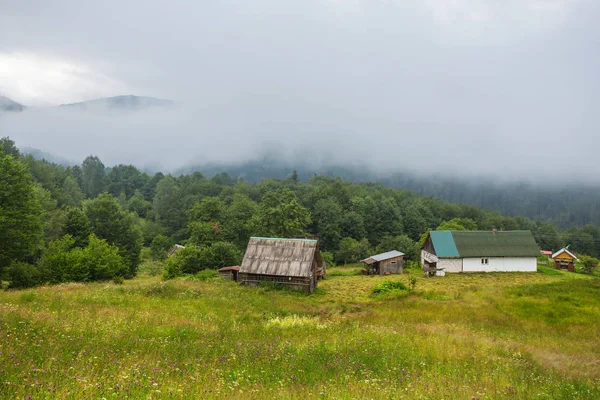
{"x":486,"y":244}
{"x":382,"y":256}
{"x":283,"y":257}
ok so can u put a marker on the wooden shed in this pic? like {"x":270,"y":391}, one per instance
{"x":564,"y":259}
{"x":295,"y":263}
{"x":230,"y":273}
{"x":391,"y":262}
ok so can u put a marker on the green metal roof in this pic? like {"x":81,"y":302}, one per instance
{"x":443,"y":243}
{"x":498,"y":244}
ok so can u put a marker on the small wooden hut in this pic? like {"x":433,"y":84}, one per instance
{"x":295,"y":263}
{"x":564,"y":259}
{"x":230,"y":273}
{"x":387,"y":263}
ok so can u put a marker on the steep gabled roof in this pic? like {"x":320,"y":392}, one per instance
{"x":564,"y":250}
{"x":278,"y":256}
{"x":382,"y":256}
{"x":484,"y":244}
{"x":443,"y":243}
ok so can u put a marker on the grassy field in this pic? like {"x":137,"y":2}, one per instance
{"x":496,"y":336}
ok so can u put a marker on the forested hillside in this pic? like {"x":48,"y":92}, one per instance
{"x":89,"y":222}
{"x":562,"y":202}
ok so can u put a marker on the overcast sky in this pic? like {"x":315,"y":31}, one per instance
{"x":469,"y":86}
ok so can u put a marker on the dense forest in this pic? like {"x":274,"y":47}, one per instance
{"x":563,"y":203}
{"x":89,"y":222}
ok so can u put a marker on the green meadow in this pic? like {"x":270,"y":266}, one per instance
{"x":471,"y":336}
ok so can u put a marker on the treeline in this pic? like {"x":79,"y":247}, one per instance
{"x":89,"y":222}
{"x":563,"y":204}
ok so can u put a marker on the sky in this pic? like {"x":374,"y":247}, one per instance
{"x":495,"y":88}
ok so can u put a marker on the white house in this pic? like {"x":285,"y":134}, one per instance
{"x":479,"y":251}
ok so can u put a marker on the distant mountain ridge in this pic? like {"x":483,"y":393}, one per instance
{"x":125,"y":102}
{"x":7,"y":104}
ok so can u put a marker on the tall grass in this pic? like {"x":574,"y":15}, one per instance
{"x":501,"y":336}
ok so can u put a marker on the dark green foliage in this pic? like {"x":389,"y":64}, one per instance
{"x":221,"y":254}
{"x":125,"y":179}
{"x":186,"y":261}
{"x":62,"y":262}
{"x":21,"y":226}
{"x":139,"y":205}
{"x":78,"y":226}
{"x":281,"y":215}
{"x":352,"y":250}
{"x":327,"y":258}
{"x":93,"y":176}
{"x":159,"y":247}
{"x":401,"y":243}
{"x":23,"y":275}
{"x":118,"y":227}
{"x":7,"y":147}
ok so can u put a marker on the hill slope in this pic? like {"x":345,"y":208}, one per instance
{"x":7,"y":104}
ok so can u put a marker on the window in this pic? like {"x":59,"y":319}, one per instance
{"x":485,"y":261}
{"x":392,"y":262}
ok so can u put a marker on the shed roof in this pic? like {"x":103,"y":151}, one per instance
{"x":234,"y":268}
{"x":564,"y":250}
{"x":279,"y":256}
{"x":383,"y":256}
{"x":484,"y":244}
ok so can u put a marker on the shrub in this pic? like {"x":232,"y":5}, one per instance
{"x":172,"y":268}
{"x":59,"y":264}
{"x":589,"y":264}
{"x":206,"y":275}
{"x":388,"y":286}
{"x":22,"y":275}
{"x":102,"y":260}
{"x":118,"y":280}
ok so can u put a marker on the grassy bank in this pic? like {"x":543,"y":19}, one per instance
{"x":460,"y":336}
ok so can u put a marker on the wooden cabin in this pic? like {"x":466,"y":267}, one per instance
{"x":564,"y":259}
{"x":230,"y":273}
{"x":391,"y":262}
{"x":294,"y":263}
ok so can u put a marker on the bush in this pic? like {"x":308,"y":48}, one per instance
{"x":118,"y":280}
{"x":388,"y":286}
{"x":22,"y":275}
{"x":206,"y":275}
{"x":589,"y":264}
{"x":98,"y":261}
{"x":102,"y":260}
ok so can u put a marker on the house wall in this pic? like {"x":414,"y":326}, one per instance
{"x":500,"y":264}
{"x":391,"y":265}
{"x":451,"y":265}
